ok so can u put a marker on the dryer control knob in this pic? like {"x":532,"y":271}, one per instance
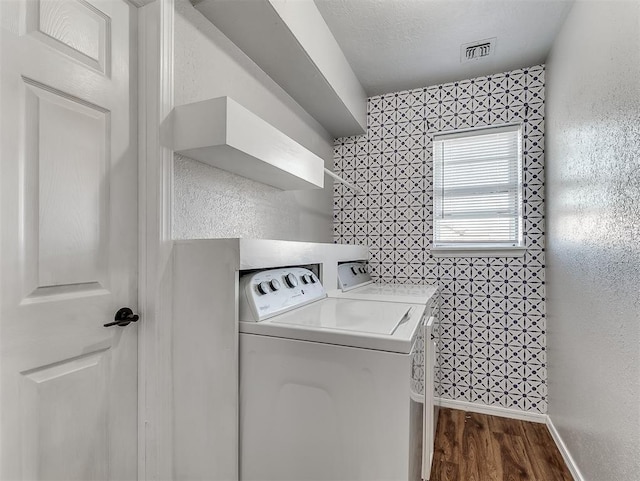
{"x":263,"y":287}
{"x":291,"y":280}
{"x":275,"y":285}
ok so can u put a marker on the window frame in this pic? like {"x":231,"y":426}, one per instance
{"x":480,"y":249}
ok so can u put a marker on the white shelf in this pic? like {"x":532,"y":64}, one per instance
{"x":222,"y":133}
{"x":292,"y":43}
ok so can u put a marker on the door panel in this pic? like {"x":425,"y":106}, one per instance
{"x":68,"y":240}
{"x":67,"y":142}
{"x":67,"y":393}
{"x":74,"y":27}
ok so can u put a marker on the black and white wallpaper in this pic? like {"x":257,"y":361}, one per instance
{"x":492,"y":332}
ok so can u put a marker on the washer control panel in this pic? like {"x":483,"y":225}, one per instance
{"x":353,"y":274}
{"x":267,"y":293}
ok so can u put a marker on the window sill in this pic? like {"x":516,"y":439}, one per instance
{"x":478,"y":251}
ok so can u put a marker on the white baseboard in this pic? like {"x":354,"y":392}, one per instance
{"x":492,"y":410}
{"x":521,"y":415}
{"x":573,"y":468}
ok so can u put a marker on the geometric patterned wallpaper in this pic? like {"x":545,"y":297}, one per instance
{"x":492,"y":327}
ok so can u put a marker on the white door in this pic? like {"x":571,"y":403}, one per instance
{"x":68,"y":240}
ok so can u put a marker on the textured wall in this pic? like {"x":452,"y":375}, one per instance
{"x":593,"y":212}
{"x":213,"y":203}
{"x":209,"y":202}
{"x":493,"y":323}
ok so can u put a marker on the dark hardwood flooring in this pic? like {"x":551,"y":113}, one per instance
{"x":478,"y":447}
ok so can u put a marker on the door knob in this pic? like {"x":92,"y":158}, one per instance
{"x":123,"y":317}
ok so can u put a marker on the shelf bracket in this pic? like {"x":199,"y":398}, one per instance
{"x":357,"y":190}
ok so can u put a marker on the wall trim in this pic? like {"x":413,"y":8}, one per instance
{"x":523,"y":416}
{"x":492,"y":410}
{"x":155,"y":102}
{"x":566,"y":455}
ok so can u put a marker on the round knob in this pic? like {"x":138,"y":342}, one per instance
{"x":363,"y":270}
{"x":312,"y":278}
{"x":305,"y":278}
{"x":291,"y":280}
{"x":354,"y":270}
{"x":275,"y":285}
{"x":263,"y":287}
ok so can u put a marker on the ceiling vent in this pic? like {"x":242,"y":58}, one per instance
{"x":477,"y":50}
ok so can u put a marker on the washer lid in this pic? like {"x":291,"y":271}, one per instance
{"x":351,"y":315}
{"x":384,"y":326}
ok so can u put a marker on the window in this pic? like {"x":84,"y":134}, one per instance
{"x":478,"y":190}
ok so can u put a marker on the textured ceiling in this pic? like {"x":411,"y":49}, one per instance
{"x":396,"y":45}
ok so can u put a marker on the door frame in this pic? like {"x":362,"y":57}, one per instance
{"x":155,"y":177}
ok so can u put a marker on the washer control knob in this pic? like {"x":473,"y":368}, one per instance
{"x":263,"y":287}
{"x":354,"y":270}
{"x":291,"y":280}
{"x":312,"y":278}
{"x":275,"y":285}
{"x":363,"y":270}
{"x":305,"y":278}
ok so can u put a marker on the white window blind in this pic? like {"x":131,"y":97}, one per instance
{"x":478,"y":188}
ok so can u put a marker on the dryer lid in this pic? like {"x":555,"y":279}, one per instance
{"x":404,"y":293}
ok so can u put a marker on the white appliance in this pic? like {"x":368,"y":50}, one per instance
{"x":325,"y":382}
{"x":354,"y":282}
{"x":204,"y":342}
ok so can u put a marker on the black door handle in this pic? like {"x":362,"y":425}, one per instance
{"x":123,"y":317}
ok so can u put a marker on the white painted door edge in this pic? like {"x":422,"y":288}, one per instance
{"x":492,"y":410}
{"x":566,"y":455}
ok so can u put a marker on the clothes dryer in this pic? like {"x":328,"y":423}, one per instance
{"x":355,"y":282}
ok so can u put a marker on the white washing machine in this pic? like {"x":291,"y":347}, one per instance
{"x":325,"y":383}
{"x":354,"y":282}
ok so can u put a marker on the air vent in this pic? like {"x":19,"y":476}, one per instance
{"x":477,"y":50}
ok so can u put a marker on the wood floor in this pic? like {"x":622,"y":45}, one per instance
{"x":478,"y":447}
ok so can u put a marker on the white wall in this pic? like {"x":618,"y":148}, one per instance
{"x":212,"y":203}
{"x":593,"y":237}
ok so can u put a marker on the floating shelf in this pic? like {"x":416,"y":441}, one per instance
{"x":292,"y":43}
{"x":222,"y":133}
